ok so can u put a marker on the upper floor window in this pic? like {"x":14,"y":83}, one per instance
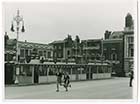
{"x":40,"y":53}
{"x":49,"y":54}
{"x":68,"y":52}
{"x":131,"y":52}
{"x":22,"y":53}
{"x":59,"y":54}
{"x":26,"y":52}
{"x":59,"y":47}
{"x":130,"y":39}
{"x":113,"y":56}
{"x":44,"y":53}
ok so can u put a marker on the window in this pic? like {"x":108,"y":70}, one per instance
{"x":74,"y":71}
{"x":40,"y":53}
{"x":132,"y":52}
{"x":25,"y":71}
{"x":49,"y":54}
{"x":29,"y":52}
{"x":94,"y":69}
{"x":68,"y":52}
{"x":44,"y":53}
{"x":59,"y":47}
{"x":130,"y":39}
{"x":100,"y":69}
{"x":26,"y":52}
{"x":22,"y":52}
{"x":52,"y":71}
{"x":55,"y":55}
{"x":59,"y":55}
{"x":43,"y":71}
{"x":55,"y":47}
{"x":113,"y":56}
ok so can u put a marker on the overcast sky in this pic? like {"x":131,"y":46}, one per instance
{"x":49,"y":21}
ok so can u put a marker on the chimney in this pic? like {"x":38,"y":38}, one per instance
{"x":107,"y":34}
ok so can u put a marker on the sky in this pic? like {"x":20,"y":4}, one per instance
{"x":48,"y":21}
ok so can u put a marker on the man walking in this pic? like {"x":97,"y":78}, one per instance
{"x":59,"y":80}
{"x":66,"y":81}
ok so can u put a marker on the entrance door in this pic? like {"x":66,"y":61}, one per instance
{"x":36,"y":74}
{"x":87,"y":74}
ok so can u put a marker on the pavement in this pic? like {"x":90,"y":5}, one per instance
{"x":115,"y":88}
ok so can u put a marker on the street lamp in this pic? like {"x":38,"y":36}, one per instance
{"x":19,"y":24}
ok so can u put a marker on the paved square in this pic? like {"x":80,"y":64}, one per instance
{"x":115,"y":88}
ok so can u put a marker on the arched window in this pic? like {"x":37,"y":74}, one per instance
{"x":113,"y":56}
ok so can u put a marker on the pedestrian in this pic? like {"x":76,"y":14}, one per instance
{"x":59,"y":80}
{"x":66,"y":81}
{"x":131,"y":78}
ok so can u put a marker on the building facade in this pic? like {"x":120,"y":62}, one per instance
{"x":91,"y":50}
{"x":113,"y":53}
{"x":67,"y":50}
{"x":27,"y":49}
{"x":117,"y":48}
{"x":128,"y":44}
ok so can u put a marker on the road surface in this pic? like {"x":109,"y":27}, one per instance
{"x":115,"y":88}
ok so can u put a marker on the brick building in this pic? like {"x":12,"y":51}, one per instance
{"x":27,"y":49}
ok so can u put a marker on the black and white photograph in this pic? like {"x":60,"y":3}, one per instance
{"x":69,"y":50}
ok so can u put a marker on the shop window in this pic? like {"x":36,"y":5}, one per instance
{"x":100,"y":69}
{"x":52,"y":71}
{"x":43,"y":71}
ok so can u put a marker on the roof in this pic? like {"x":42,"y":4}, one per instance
{"x":91,"y":40}
{"x":36,"y":45}
{"x":116,"y":35}
{"x":58,"y":41}
{"x":11,"y":41}
{"x":112,"y":41}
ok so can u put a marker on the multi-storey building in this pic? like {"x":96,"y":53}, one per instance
{"x":67,"y":50}
{"x":27,"y":49}
{"x":116,"y":48}
{"x":113,"y":53}
{"x":91,"y":50}
{"x":123,"y":45}
{"x":128,"y":44}
{"x":42,"y":50}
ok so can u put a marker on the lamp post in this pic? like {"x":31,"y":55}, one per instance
{"x":17,"y":24}
{"x":102,"y":52}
